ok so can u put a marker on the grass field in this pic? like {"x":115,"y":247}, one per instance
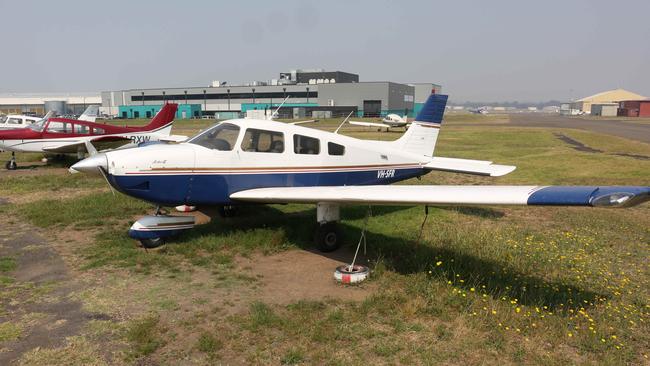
{"x":482,"y":286}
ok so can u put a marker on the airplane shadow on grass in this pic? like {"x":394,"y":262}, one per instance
{"x":407,"y":256}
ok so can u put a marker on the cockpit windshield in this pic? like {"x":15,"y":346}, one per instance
{"x":3,"y":119}
{"x":38,"y":126}
{"x":221,"y":137}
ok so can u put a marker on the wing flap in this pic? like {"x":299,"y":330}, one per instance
{"x":477,"y":167}
{"x":70,"y":148}
{"x":616,"y":196}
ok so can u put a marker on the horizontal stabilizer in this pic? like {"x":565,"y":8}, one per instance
{"x":477,"y":167}
{"x":606,"y":196}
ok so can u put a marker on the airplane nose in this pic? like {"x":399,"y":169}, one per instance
{"x":90,"y":165}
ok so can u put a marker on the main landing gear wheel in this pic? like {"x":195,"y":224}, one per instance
{"x":11,"y":164}
{"x":152,"y":243}
{"x":328,"y":237}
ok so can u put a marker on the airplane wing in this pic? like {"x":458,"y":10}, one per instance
{"x":605,"y":196}
{"x":477,"y":167}
{"x":173,"y":138}
{"x":368,"y":124}
{"x":101,"y":143}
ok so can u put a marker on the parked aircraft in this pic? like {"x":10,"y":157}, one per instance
{"x":390,"y":121}
{"x":15,"y":121}
{"x":69,"y":136}
{"x":259,"y":161}
{"x":479,"y":110}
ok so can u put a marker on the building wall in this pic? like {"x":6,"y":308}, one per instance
{"x":644,"y":109}
{"x":185,"y":111}
{"x":604,"y":110}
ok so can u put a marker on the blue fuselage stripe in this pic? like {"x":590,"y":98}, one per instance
{"x":215,"y":189}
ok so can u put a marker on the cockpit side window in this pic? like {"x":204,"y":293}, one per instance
{"x":306,"y":145}
{"x":3,"y":119}
{"x":15,"y":121}
{"x":221,"y":137}
{"x":263,"y":141}
{"x":335,"y":149}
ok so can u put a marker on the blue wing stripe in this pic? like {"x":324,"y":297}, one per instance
{"x":607,"y":196}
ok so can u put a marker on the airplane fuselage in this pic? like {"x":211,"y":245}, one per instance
{"x":192,"y":174}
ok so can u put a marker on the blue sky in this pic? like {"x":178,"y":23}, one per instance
{"x":478,"y":50}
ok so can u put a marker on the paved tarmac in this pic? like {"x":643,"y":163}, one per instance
{"x":626,"y":129}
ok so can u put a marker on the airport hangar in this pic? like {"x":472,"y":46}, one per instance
{"x":43,"y":103}
{"x":311,"y":93}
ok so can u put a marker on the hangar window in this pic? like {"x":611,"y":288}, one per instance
{"x":335,"y":149}
{"x":263,"y":141}
{"x":58,"y":127}
{"x":306,"y":145}
{"x":221,"y":137}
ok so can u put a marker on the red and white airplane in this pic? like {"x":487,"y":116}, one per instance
{"x":70,"y":136}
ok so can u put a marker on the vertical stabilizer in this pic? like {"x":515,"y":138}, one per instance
{"x":421,"y":137}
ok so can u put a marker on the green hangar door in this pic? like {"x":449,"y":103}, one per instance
{"x":371,"y":108}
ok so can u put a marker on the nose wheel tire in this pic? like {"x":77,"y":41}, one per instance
{"x":152,"y":243}
{"x":11,"y":165}
{"x":328,"y":237}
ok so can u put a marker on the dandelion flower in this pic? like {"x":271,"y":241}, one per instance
{"x":438,"y":263}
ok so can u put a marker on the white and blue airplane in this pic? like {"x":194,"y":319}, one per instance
{"x":245,"y":161}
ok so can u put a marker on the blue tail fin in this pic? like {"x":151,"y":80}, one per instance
{"x":433,"y":109}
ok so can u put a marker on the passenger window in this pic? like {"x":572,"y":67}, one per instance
{"x":15,"y":121}
{"x":221,"y":137}
{"x":306,"y":145}
{"x":263,"y":141}
{"x":335,"y":149}
{"x":81,"y":129}
{"x":58,"y":127}
{"x":3,"y":119}
{"x":98,"y":131}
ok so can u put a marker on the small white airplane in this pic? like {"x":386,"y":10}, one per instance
{"x":479,"y":110}
{"x":14,"y":121}
{"x":245,"y":161}
{"x":390,"y":121}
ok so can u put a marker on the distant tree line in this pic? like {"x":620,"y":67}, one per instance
{"x":515,"y":104}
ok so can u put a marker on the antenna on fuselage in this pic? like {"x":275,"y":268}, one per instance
{"x":342,"y":123}
{"x":278,"y":109}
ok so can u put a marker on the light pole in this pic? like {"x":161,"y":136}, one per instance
{"x":164,"y":98}
{"x":253,"y":95}
{"x":307,"y":94}
{"x":205,"y":102}
{"x":228,"y":90}
{"x":186,"y":97}
{"x":142,"y":98}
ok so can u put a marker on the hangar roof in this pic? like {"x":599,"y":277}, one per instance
{"x":615,"y":95}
